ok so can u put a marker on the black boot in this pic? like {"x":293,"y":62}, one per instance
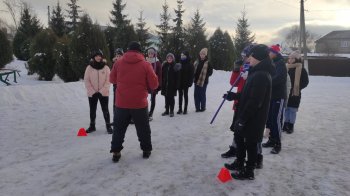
{"x":185,"y":110}
{"x":179,"y":111}
{"x":116,"y":157}
{"x":236,"y":165}
{"x":259,"y":161}
{"x":277,"y":148}
{"x":230,"y":153}
{"x":166,"y":112}
{"x":285,"y":126}
{"x":109,"y":128}
{"x":171,"y":114}
{"x":269,"y":143}
{"x":146,"y":154}
{"x":247,"y":173}
{"x":290,"y":128}
{"x":91,"y":129}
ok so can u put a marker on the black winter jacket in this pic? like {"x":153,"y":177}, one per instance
{"x":254,"y":101}
{"x":186,"y":74}
{"x":279,"y":79}
{"x":170,"y":79}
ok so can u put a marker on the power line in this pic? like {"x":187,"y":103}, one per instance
{"x":336,"y":10}
{"x":290,"y":5}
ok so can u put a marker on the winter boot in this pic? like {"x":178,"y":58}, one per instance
{"x":259,"y":162}
{"x":171,"y":114}
{"x":269,"y":143}
{"x":277,"y":148}
{"x":109,"y":128}
{"x":166,"y":112}
{"x":230,"y":153}
{"x":236,"y":165}
{"x":290,"y":128}
{"x":246,"y":173}
{"x":116,"y":157}
{"x":179,"y":111}
{"x":91,"y":129}
{"x":146,"y":154}
{"x":185,"y":110}
{"x":285,"y":126}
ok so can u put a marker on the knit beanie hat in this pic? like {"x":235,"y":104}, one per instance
{"x":152,"y":50}
{"x":204,"y":51}
{"x":118,"y":51}
{"x":275,"y":49}
{"x":96,"y":53}
{"x":171,"y":55}
{"x":260,"y":52}
{"x":295,"y":54}
{"x":136,"y":46}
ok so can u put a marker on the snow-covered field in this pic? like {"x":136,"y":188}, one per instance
{"x":41,"y":154}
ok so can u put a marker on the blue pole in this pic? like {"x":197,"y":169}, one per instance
{"x":223,"y":101}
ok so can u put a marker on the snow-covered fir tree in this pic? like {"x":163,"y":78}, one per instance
{"x":142,"y":32}
{"x":243,"y":35}
{"x":164,"y":31}
{"x":57,"y":20}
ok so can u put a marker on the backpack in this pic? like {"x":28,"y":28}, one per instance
{"x":304,"y":78}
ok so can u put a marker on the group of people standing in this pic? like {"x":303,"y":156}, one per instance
{"x":266,"y":92}
{"x":134,"y":77}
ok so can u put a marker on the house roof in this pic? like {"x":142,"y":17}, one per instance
{"x":336,"y":35}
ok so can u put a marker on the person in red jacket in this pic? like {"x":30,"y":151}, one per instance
{"x":134,"y":76}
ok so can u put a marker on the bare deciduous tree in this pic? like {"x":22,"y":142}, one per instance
{"x":292,"y":38}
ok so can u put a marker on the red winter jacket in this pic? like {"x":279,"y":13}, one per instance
{"x":239,"y":85}
{"x":134,"y":76}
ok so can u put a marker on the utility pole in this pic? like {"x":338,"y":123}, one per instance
{"x":302,"y":38}
{"x":48,"y":16}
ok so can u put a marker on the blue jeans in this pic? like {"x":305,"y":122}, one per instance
{"x":290,"y":115}
{"x":200,"y":97}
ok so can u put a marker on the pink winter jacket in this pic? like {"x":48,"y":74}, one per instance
{"x":97,"y":80}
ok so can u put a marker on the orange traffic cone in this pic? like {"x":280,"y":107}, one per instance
{"x":82,"y":132}
{"x":224,"y":175}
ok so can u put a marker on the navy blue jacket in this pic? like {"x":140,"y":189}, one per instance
{"x":279,"y":79}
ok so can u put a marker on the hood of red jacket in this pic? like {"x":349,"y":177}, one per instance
{"x":132,"y":57}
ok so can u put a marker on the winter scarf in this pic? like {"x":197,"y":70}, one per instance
{"x":203,"y":74}
{"x":298,"y":67}
{"x":98,"y":65}
{"x":152,"y":61}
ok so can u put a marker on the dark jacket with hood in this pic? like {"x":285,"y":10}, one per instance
{"x":279,"y":79}
{"x":255,"y":101}
{"x":170,"y":78}
{"x":186,"y":73}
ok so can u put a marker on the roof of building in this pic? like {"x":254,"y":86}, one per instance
{"x":336,"y":35}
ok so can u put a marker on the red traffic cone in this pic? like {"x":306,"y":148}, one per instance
{"x":82,"y":132}
{"x":224,"y":175}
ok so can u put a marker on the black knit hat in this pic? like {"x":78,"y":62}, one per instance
{"x":260,"y":52}
{"x":134,"y":45}
{"x":96,"y":53}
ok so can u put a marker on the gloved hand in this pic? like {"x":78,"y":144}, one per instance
{"x":239,"y":126}
{"x":230,"y":96}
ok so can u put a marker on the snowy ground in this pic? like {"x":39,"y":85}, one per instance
{"x":41,"y":154}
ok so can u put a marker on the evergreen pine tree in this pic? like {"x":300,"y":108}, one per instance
{"x":124,"y":31}
{"x":28,"y":28}
{"x":195,"y":38}
{"x":142,"y":32}
{"x":110,"y":33}
{"x":243,"y":35}
{"x":62,"y":58}
{"x":218,"y":50}
{"x":87,"y":38}
{"x":42,"y":61}
{"x":164,"y":32}
{"x":5,"y":49}
{"x":57,"y":21}
{"x":73,"y":14}
{"x":178,"y":31}
{"x":230,"y":58}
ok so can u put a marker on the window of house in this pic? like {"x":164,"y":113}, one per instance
{"x":344,"y":44}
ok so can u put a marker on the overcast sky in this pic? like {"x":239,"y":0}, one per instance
{"x":268,"y":19}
